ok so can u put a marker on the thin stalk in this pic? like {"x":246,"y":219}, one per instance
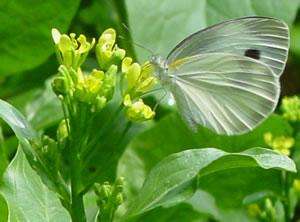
{"x":285,"y":190}
{"x":77,"y":207}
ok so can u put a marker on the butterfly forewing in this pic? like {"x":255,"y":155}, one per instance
{"x":227,"y":93}
{"x":260,"y":38}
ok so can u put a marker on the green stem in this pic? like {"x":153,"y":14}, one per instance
{"x":286,"y":188}
{"x":77,"y":207}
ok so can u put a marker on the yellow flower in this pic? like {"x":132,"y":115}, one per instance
{"x":139,"y":79}
{"x":107,"y":52}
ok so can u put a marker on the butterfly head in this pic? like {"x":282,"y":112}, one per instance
{"x":160,"y":65}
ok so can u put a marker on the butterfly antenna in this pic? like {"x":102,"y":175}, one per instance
{"x":135,"y":43}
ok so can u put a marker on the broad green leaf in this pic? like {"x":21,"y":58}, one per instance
{"x":26,"y":39}
{"x":27,"y":197}
{"x":167,"y":22}
{"x":171,"y":135}
{"x":172,"y":175}
{"x":22,"y":129}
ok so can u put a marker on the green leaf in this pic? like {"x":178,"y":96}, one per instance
{"x":171,"y":135}
{"x":295,"y":39}
{"x":44,"y":110}
{"x":17,"y":122}
{"x":177,"y":170}
{"x":22,"y":129}
{"x":3,"y":154}
{"x":3,"y":210}
{"x":205,"y":203}
{"x":27,"y":197}
{"x":157,"y":29}
{"x":26,"y":39}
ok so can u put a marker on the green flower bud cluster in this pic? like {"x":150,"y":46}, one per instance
{"x":282,"y":144}
{"x":291,"y":108}
{"x":109,"y":197}
{"x":49,"y":152}
{"x":264,"y":211}
{"x":97,"y":87}
{"x":137,"y":111}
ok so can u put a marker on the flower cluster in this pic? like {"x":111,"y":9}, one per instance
{"x":109,"y":197}
{"x":282,"y":144}
{"x":265,"y":211}
{"x":137,"y":81}
{"x":96,"y":88}
{"x":291,"y":108}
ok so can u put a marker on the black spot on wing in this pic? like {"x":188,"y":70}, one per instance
{"x":252,"y":53}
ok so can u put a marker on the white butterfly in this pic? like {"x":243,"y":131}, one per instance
{"x":226,"y":77}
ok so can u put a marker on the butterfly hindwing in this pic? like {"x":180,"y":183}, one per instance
{"x":261,"y":38}
{"x":227,"y":93}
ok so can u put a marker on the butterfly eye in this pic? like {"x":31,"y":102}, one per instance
{"x":252,"y":53}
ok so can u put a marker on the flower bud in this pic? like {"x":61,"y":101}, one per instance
{"x":137,"y":111}
{"x":59,"y":85}
{"x":296,"y":185}
{"x":133,"y":75}
{"x":99,"y":104}
{"x":119,"y":199}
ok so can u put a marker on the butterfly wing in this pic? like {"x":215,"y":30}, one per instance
{"x":227,"y":93}
{"x":265,"y":39}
